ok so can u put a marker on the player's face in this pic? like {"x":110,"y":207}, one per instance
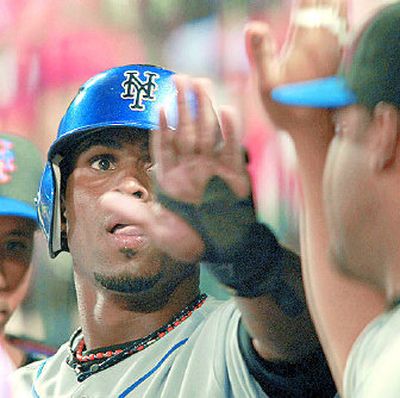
{"x":113,"y":253}
{"x":16,"y":244}
{"x":350,"y":195}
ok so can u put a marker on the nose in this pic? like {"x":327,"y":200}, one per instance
{"x":131,"y":186}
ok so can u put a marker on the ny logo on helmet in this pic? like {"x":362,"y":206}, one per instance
{"x":139,"y":90}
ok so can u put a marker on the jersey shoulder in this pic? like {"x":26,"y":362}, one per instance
{"x":375,"y":352}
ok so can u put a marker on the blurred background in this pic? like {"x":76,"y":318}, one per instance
{"x":48,"y":48}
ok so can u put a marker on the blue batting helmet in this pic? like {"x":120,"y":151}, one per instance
{"x":125,"y":96}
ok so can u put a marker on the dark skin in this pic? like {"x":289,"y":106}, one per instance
{"x":126,"y":287}
{"x":192,"y":154}
{"x":16,"y":245}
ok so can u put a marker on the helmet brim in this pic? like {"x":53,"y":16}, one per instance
{"x":330,"y":92}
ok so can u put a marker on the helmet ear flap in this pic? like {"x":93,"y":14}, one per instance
{"x":48,"y":205}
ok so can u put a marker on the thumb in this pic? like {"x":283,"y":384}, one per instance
{"x":262,"y":54}
{"x":167,"y":231}
{"x":128,"y":208}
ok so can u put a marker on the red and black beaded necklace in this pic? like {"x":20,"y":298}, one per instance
{"x":86,"y":364}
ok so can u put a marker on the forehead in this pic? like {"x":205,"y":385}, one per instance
{"x":18,"y":226}
{"x":115,"y":138}
{"x":112,"y":138}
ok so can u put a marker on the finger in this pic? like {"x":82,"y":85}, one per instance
{"x":184,"y":137}
{"x":232,"y":154}
{"x":130,"y":209}
{"x":162,"y":145}
{"x":207,"y":127}
{"x":166,"y":230}
{"x":262,"y":54}
{"x":234,"y":171}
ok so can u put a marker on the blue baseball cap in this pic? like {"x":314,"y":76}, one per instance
{"x":369,"y":72}
{"x":20,"y":171}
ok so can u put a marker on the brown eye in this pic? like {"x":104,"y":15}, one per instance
{"x":103,"y":163}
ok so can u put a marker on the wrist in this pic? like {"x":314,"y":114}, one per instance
{"x":260,"y":269}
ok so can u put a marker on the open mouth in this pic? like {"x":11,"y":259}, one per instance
{"x":124,"y":229}
{"x":128,"y":238}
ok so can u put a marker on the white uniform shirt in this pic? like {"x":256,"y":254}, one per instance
{"x":373,"y":367}
{"x":200,"y":358}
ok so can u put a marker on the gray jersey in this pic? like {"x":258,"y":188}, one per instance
{"x":373,"y":367}
{"x":199,"y":358}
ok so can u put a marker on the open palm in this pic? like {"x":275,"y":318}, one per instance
{"x":188,"y":157}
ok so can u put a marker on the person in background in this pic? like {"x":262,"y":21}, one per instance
{"x":20,"y":170}
{"x":343,"y":111}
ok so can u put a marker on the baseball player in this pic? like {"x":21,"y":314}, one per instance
{"x":20,"y":171}
{"x":348,"y":129}
{"x":137,"y":224}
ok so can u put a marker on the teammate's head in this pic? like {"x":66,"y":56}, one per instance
{"x":20,"y":169}
{"x":362,"y":171}
{"x":102,"y":146}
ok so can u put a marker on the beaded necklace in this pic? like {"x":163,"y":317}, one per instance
{"x":87,"y":364}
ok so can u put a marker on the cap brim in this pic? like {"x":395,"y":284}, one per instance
{"x":17,"y":208}
{"x":330,"y":92}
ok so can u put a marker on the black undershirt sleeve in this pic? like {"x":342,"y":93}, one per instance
{"x":311,"y":378}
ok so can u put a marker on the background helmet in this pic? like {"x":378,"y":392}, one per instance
{"x":20,"y":169}
{"x":125,"y":96}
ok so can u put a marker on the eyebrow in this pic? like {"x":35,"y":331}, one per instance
{"x":19,"y":233}
{"x":90,"y":145}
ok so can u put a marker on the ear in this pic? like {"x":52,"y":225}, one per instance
{"x":386,"y":130}
{"x":64,"y":226}
{"x":64,"y":213}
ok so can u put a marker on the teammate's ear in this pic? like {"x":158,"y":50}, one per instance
{"x":386,"y":132}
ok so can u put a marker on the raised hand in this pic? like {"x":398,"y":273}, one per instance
{"x":185,"y":161}
{"x":313,"y":49}
{"x":188,"y":157}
